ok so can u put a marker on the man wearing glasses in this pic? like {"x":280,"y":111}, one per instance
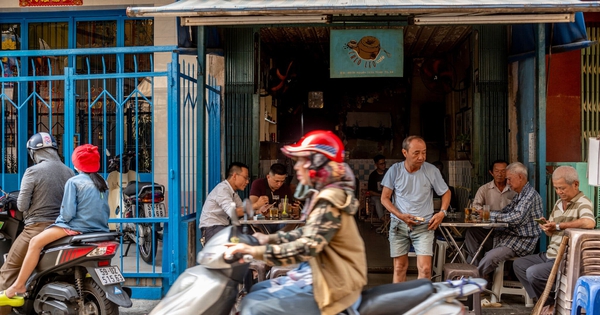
{"x":375,"y":184}
{"x":220,"y":201}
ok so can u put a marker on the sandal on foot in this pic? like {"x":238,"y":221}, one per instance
{"x":15,"y":301}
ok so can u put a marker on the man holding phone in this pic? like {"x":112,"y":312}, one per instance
{"x":572,"y":210}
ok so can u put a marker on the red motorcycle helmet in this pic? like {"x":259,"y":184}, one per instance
{"x":317,"y":141}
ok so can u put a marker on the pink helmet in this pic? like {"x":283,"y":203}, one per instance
{"x":318,"y":141}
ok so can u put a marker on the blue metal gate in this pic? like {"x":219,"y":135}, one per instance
{"x":123,"y":110}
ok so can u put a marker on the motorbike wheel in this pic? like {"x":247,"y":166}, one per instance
{"x":149,"y":248}
{"x":95,"y":301}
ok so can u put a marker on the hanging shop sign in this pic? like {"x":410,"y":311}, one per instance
{"x":48,"y":3}
{"x":366,"y":53}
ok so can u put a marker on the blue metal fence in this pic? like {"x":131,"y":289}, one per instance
{"x":214,"y":132}
{"x":121,"y":109}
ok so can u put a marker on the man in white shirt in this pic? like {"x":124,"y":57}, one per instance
{"x":223,"y":200}
{"x":497,"y":194}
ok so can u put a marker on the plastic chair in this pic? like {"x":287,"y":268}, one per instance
{"x":441,"y":247}
{"x":502,"y":286}
{"x":462,"y":195}
{"x":587,"y":295}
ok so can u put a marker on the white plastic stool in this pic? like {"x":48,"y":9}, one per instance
{"x":440,"y":257}
{"x":500,"y":286}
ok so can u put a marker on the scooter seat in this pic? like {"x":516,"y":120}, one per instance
{"x":395,"y":298}
{"x":87,"y":237}
{"x":131,"y":191}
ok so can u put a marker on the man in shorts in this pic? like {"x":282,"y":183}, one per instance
{"x":412,"y":184}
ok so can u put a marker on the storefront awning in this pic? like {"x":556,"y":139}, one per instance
{"x":188,"y":8}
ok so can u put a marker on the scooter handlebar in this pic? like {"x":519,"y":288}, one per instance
{"x":230,"y":259}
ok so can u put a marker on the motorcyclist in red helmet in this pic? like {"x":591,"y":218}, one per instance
{"x":329,"y":248}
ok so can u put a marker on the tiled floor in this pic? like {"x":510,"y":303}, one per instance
{"x":380,"y":271}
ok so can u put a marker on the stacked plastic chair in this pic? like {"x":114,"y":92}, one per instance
{"x":581,"y":259}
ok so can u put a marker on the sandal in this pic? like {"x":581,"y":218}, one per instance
{"x":15,"y":301}
{"x":486,"y":303}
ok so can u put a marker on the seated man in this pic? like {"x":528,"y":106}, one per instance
{"x":219,"y":202}
{"x":272,"y":189}
{"x":374,"y":185}
{"x":572,"y":210}
{"x":521,"y":235}
{"x":497,"y":194}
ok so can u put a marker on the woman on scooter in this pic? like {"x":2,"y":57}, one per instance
{"x":84,"y":209}
{"x":329,"y":248}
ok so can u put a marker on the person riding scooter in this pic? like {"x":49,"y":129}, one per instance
{"x":39,"y":199}
{"x":329,"y":248}
{"x":84,"y":209}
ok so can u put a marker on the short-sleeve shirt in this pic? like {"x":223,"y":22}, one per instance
{"x":579,"y":207}
{"x":260,"y":187}
{"x":489,"y":194}
{"x":217,"y":206}
{"x":375,"y":181}
{"x":413,"y":192}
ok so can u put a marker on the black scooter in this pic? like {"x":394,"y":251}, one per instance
{"x":74,"y":274}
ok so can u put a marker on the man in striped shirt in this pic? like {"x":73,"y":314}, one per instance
{"x":572,"y":210}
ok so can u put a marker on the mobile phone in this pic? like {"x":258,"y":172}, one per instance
{"x":419,"y":219}
{"x":540,"y":221}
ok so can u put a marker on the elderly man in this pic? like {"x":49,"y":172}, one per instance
{"x":572,"y":210}
{"x":521,"y":235}
{"x":497,"y":194}
{"x":223,"y":200}
{"x":412,"y":183}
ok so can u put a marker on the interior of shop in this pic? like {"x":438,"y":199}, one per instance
{"x":431,"y":98}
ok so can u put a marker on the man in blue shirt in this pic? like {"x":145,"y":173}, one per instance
{"x":412,"y":218}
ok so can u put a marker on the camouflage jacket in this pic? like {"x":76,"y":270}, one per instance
{"x":331,"y":243}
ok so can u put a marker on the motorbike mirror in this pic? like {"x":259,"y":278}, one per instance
{"x":248,"y":210}
{"x":233,"y":215}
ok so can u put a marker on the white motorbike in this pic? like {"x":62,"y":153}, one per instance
{"x":130,"y":198}
{"x":213,"y":287}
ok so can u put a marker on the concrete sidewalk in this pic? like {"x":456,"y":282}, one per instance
{"x":140,"y":307}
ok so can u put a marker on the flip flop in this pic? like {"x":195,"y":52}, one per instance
{"x":15,"y":301}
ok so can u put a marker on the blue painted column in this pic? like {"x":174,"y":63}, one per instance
{"x":201,"y":140}
{"x":540,"y":52}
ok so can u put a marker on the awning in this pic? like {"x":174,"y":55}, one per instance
{"x":560,"y":37}
{"x":360,"y":7}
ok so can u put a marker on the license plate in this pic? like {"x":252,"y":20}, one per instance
{"x":109,"y":275}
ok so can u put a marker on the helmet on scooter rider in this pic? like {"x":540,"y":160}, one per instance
{"x":319,"y":146}
{"x":40,"y":140}
{"x":317,"y":141}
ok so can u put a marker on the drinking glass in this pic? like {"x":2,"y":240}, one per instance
{"x":486,"y":213}
{"x":468,"y":212}
{"x":283,"y":209}
{"x":273,"y":213}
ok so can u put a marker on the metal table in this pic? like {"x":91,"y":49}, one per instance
{"x":262,"y":224}
{"x":448,"y":227}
